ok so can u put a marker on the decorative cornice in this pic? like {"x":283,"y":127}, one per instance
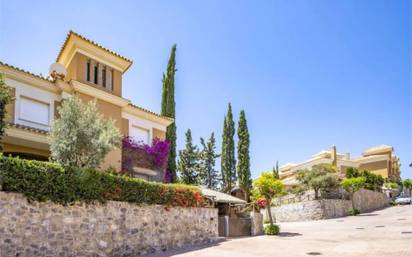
{"x":98,"y":93}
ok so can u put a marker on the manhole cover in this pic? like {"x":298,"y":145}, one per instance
{"x":360,"y":228}
{"x":314,"y":253}
{"x":402,"y":219}
{"x":406,"y":232}
{"x":379,"y":226}
{"x":339,"y":220}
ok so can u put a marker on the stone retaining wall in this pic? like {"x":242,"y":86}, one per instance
{"x":365,"y":201}
{"x":111,"y":229}
{"x":257,"y":224}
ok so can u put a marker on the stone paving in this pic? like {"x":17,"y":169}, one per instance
{"x":384,"y":233}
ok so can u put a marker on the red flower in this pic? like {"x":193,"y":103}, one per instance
{"x":198,"y":196}
{"x":262,"y":202}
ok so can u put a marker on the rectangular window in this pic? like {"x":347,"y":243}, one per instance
{"x":34,"y":111}
{"x":104,"y":76}
{"x":96,"y":73}
{"x":139,"y":134}
{"x":88,"y":70}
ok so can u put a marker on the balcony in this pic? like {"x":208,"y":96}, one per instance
{"x":145,"y":161}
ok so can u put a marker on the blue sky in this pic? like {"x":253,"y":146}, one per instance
{"x":309,"y":74}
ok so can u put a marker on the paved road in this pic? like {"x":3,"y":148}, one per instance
{"x":384,"y":233}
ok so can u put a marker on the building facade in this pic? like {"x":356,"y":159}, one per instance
{"x":379,"y":160}
{"x":92,"y":72}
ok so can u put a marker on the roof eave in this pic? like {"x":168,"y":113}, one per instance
{"x":121,"y":62}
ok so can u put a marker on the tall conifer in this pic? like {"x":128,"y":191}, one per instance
{"x":208,"y":174}
{"x":276,"y":171}
{"x":168,"y":109}
{"x":188,"y":163}
{"x":228,"y":162}
{"x":243,"y":159}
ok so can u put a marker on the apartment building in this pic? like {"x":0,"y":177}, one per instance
{"x":379,"y":160}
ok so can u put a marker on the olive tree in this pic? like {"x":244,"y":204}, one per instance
{"x":352,"y":185}
{"x":320,"y":177}
{"x":268,"y":187}
{"x":81,"y":136}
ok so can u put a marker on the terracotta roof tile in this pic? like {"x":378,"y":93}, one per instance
{"x":27,"y":72}
{"x":150,"y":112}
{"x":91,"y":42}
{"x":36,"y":130}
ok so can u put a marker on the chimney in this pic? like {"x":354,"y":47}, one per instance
{"x":348,"y":156}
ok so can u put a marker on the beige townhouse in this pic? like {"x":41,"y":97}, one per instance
{"x":379,"y":160}
{"x":92,"y":72}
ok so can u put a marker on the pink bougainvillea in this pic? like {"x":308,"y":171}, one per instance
{"x":158,"y":151}
{"x":167,"y":177}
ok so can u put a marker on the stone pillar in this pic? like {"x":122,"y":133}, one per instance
{"x":92,"y":63}
{"x":256,"y":227}
{"x":109,"y":78}
{"x":100,"y":74}
{"x":227,"y":232}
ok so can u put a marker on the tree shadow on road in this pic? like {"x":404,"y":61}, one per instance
{"x":368,"y":215}
{"x":288,"y":234}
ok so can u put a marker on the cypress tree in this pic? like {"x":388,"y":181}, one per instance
{"x":223,"y":155}
{"x":276,"y":171}
{"x":168,"y":110}
{"x":243,"y":164}
{"x":228,"y":162}
{"x":188,"y":163}
{"x":208,"y":174}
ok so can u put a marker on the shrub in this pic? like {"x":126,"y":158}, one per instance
{"x":407,"y":183}
{"x":272,"y":229}
{"x":43,"y":181}
{"x":392,"y":185}
{"x":372,"y":181}
{"x":354,"y":212}
{"x":5,"y":98}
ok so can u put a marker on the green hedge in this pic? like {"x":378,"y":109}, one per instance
{"x":43,"y":181}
